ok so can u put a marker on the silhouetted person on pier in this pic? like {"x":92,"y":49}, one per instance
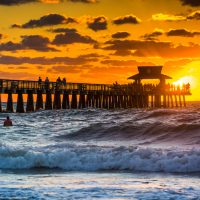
{"x":58,"y":82}
{"x":47,"y":83}
{"x":187,"y":87}
{"x":64,"y":82}
{"x":39,"y":82}
{"x":7,"y":122}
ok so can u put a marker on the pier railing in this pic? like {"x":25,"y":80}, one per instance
{"x":36,"y":85}
{"x":84,"y":95}
{"x":15,"y":85}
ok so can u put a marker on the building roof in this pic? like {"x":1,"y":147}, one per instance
{"x":149,"y":72}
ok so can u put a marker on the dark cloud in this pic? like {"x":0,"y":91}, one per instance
{"x":72,"y":37}
{"x":63,"y":30}
{"x":15,"y":26}
{"x":194,"y":16}
{"x":134,"y":45}
{"x":84,"y":1}
{"x":154,"y":49}
{"x":117,"y":63}
{"x":192,"y":3}
{"x":120,"y":35}
{"x":47,"y":20}
{"x":82,"y":59}
{"x":153,"y":35}
{"x":128,"y":19}
{"x":35,"y":42}
{"x":182,"y":32}
{"x":10,"y":46}
{"x":1,"y":36}
{"x":16,"y":2}
{"x":98,"y":23}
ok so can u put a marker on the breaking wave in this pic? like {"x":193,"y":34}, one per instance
{"x":160,"y":140}
{"x":94,"y":158}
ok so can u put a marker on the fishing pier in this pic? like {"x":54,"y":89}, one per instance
{"x":54,"y":95}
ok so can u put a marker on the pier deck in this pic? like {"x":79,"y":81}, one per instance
{"x":83,"y":95}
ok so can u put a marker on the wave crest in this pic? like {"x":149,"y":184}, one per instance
{"x":93,"y":158}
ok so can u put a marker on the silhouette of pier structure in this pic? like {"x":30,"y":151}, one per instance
{"x":55,"y":95}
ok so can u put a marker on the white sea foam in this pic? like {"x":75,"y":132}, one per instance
{"x":93,"y":158}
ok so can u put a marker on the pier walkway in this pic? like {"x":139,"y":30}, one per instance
{"x":83,"y":95}
{"x":58,"y":95}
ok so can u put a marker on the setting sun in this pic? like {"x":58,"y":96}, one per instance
{"x":184,"y":80}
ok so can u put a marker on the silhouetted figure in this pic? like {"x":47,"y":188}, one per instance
{"x":187,"y":87}
{"x":58,"y":82}
{"x":39,"y":82}
{"x":7,"y":122}
{"x":47,"y":83}
{"x":64,"y":82}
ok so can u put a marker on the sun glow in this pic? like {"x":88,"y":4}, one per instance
{"x":183,"y":81}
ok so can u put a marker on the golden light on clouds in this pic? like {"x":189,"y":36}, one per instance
{"x":51,"y":1}
{"x":99,"y":41}
{"x":167,"y":17}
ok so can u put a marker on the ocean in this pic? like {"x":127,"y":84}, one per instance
{"x":101,"y":154}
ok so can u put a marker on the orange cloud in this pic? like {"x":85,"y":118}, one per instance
{"x":167,"y":17}
{"x":51,"y":1}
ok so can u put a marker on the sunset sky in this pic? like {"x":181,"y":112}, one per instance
{"x":99,"y":41}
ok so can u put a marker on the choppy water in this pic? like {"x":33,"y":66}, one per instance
{"x":101,"y":154}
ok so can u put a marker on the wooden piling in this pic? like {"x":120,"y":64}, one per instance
{"x":57,"y":100}
{"x":74,"y":101}
{"x":124,"y":101}
{"x":105,"y":101}
{"x":172,"y":101}
{"x":164,"y":101}
{"x":93,"y":100}
{"x":152,"y":101}
{"x":176,"y":102}
{"x":96,"y":97}
{"x":82,"y":103}
{"x":30,"y":102}
{"x":100,"y":101}
{"x":111,"y":104}
{"x":9,"y":107}
{"x":20,"y":103}
{"x":0,"y":104}
{"x":129,"y":103}
{"x":180,"y":101}
{"x":89,"y":100}
{"x":48,"y":103}
{"x":117,"y":101}
{"x":39,"y":101}
{"x":65,"y":101}
{"x":184,"y":102}
{"x":157,"y":101}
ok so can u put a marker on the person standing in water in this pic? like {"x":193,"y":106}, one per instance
{"x":8,"y":122}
